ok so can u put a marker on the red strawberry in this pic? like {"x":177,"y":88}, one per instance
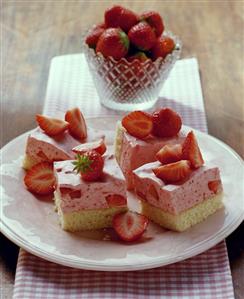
{"x":113,"y":42}
{"x":163,"y":46}
{"x":166,"y":123}
{"x":191,"y":151}
{"x":130,"y":225}
{"x":138,"y":123}
{"x":215,"y":186}
{"x":40,"y":178}
{"x":154,"y":19}
{"x":142,"y":36}
{"x":89,"y":165}
{"x":51,"y":126}
{"x":118,"y":16}
{"x":98,"y":146}
{"x":77,"y":124}
{"x":116,"y":200}
{"x":141,"y":56}
{"x":173,"y":172}
{"x":169,"y":153}
{"x":94,"y":35}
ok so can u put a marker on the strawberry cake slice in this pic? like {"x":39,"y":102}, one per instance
{"x":179,"y":194}
{"x":54,"y":139}
{"x":140,"y":136}
{"x":88,"y":200}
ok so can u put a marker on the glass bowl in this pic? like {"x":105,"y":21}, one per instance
{"x":124,"y":85}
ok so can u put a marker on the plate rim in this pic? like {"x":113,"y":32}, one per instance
{"x":101,"y":266}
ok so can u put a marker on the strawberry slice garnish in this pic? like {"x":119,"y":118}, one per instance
{"x":215,"y":186}
{"x":77,"y":124}
{"x":98,"y":146}
{"x":130,"y":225}
{"x":40,"y":178}
{"x":89,"y":165}
{"x":191,"y":151}
{"x":166,"y":123}
{"x":138,"y":123}
{"x":173,"y":172}
{"x":116,"y":200}
{"x":169,"y":153}
{"x":51,"y":126}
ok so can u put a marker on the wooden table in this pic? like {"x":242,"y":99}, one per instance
{"x":35,"y":31}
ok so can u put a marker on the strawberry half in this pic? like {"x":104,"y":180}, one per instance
{"x":77,"y":124}
{"x":173,"y":172}
{"x":191,"y":151}
{"x":169,"y":153}
{"x":138,"y":124}
{"x":154,"y":19}
{"x":89,"y":165}
{"x":215,"y":186}
{"x":130,"y":225}
{"x":51,"y":126}
{"x":166,"y":123}
{"x":116,"y":200}
{"x":98,"y":146}
{"x":40,"y":178}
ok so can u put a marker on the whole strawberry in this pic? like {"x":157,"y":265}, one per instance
{"x":118,"y":16}
{"x":163,"y":46}
{"x":142,"y":36}
{"x":113,"y":42}
{"x":154,"y":19}
{"x":94,"y":35}
{"x":89,"y":165}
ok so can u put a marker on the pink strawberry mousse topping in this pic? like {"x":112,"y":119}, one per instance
{"x":136,"y":152}
{"x":43,"y":147}
{"x":77,"y":194}
{"x":175,"y":198}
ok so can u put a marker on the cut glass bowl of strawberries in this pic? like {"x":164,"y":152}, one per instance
{"x":130,"y":56}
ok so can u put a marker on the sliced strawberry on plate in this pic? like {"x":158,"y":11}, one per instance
{"x":130,"y":225}
{"x":138,"y":123}
{"x":40,"y":178}
{"x":77,"y":124}
{"x":169,"y":153}
{"x":215,"y":186}
{"x":191,"y":151}
{"x":51,"y":126}
{"x":116,"y":200}
{"x":173,"y":172}
{"x":89,"y":165}
{"x":98,"y":146}
{"x":166,"y":123}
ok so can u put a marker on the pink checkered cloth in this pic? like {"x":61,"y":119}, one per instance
{"x":204,"y":276}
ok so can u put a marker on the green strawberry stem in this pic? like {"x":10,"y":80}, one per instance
{"x":82,"y":164}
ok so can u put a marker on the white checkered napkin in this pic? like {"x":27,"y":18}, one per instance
{"x":206,"y":276}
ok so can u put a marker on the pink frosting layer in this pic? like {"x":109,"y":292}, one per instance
{"x":175,"y":198}
{"x":92,"y":194}
{"x":45,"y":148}
{"x":136,"y":152}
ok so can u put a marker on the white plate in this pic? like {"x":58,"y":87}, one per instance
{"x":32,"y":223}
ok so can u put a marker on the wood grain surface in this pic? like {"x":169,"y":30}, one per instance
{"x":35,"y":31}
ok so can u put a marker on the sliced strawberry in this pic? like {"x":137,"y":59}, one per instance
{"x":116,"y":200}
{"x":77,"y":124}
{"x":173,"y":172}
{"x":98,"y":146}
{"x":138,"y":124}
{"x":170,"y":153}
{"x":51,"y":126}
{"x":191,"y":151}
{"x":130,"y":225}
{"x":215,"y":186}
{"x":40,"y":178}
{"x":89,"y":165}
{"x":166,"y":123}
